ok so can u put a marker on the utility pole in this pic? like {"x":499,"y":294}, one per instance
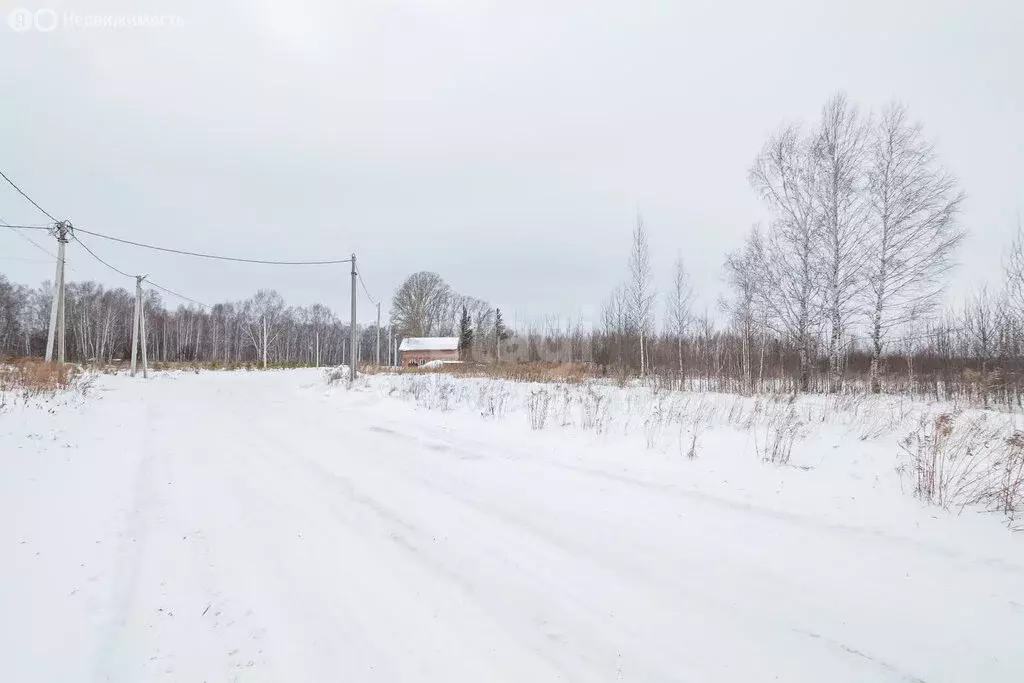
{"x":139,"y":328}
{"x":142,"y":332}
{"x":377,"y":359}
{"x":61,"y":230}
{"x":352,"y":332}
{"x":391,"y":361}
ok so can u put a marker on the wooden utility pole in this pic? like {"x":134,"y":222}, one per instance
{"x":352,"y":332}
{"x":61,"y":230}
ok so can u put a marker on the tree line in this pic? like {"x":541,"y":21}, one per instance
{"x":261,"y":329}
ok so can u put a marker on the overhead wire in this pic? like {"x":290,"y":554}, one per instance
{"x":22,"y":259}
{"x":31,"y":201}
{"x":15,"y":229}
{"x":365,"y":290}
{"x":218,"y":257}
{"x":144,"y":245}
{"x":25,"y":227}
{"x":184,"y":252}
{"x":121,"y":272}
{"x":95,"y":256}
{"x":180,"y":296}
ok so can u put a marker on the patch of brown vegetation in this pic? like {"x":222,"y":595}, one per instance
{"x":31,"y":376}
{"x":566,"y":373}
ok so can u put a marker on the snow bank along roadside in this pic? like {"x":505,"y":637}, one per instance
{"x":955,"y":458}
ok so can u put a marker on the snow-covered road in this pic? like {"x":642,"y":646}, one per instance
{"x":258,"y":527}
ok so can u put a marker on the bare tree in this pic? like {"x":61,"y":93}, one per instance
{"x":786,"y":260}
{"x":265,"y":311}
{"x":615,"y":317}
{"x":641,"y":289}
{"x":839,"y":173}
{"x":913,"y":203}
{"x":981,"y":320}
{"x":678,"y":306}
{"x":1013,"y":268}
{"x":742,"y":274}
{"x":421,"y":305}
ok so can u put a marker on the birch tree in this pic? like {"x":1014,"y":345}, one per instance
{"x":265,"y":310}
{"x":678,"y":301}
{"x":838,"y":151}
{"x":641,"y":289}
{"x":742,"y":274}
{"x":786,"y":258}
{"x":913,"y":203}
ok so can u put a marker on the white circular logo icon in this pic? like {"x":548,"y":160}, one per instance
{"x":46,"y":20}
{"x":20,"y":20}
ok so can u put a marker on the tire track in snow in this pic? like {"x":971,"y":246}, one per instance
{"x":722,"y":612}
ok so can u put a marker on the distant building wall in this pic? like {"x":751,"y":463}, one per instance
{"x":424,"y":356}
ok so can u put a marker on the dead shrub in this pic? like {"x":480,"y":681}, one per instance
{"x":29,"y":377}
{"x":782,"y":427}
{"x":956,"y":461}
{"x":657,"y":417}
{"x":546,"y":373}
{"x":493,"y":399}
{"x":593,"y":410}
{"x":537,"y":405}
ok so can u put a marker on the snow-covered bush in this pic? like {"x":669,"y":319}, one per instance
{"x":658,"y":415}
{"x":493,"y":399}
{"x":537,"y":408}
{"x":593,"y":410}
{"x":336,"y":375}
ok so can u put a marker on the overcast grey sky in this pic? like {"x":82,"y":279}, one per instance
{"x":505,"y":145}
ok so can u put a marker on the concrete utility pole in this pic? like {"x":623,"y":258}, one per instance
{"x":61,"y":230}
{"x":139,"y":328}
{"x":352,"y":342}
{"x":390,"y":357}
{"x":377,"y":359}
{"x":142,"y":333}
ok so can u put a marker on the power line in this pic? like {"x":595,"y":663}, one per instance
{"x":180,"y":296}
{"x":121,"y":272}
{"x":32,"y":201}
{"x":365,"y":291}
{"x":16,"y":231}
{"x":21,"y":259}
{"x":26,"y":227}
{"x":93,"y":253}
{"x":213,"y":256}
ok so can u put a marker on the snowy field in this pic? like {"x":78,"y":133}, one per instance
{"x":267,"y":526}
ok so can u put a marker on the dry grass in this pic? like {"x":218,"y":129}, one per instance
{"x":30,"y":377}
{"x":562,"y":373}
{"x":959,"y":460}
